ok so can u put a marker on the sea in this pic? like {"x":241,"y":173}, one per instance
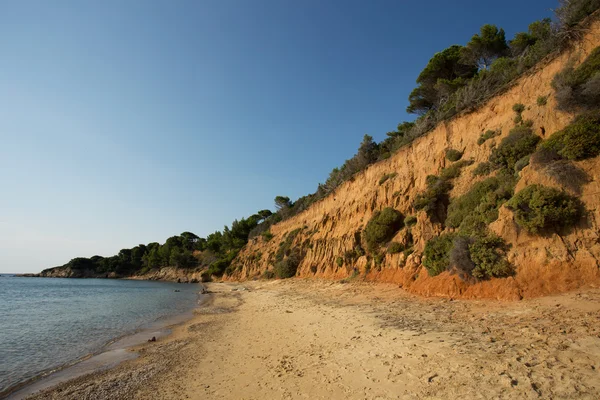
{"x":49,"y":324}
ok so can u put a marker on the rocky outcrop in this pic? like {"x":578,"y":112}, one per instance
{"x":331,"y":227}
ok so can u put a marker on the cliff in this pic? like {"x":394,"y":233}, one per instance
{"x":543,"y":264}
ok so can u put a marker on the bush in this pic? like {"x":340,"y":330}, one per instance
{"x":437,"y":253}
{"x":410,"y":220}
{"x":477,"y":208}
{"x":386,"y":177}
{"x":542,"y":100}
{"x":567,"y":175}
{"x":482,"y":169}
{"x":487,"y":135}
{"x":395,"y":247}
{"x":518,"y":108}
{"x":434,"y":199}
{"x":453,"y":155}
{"x":268,"y":274}
{"x":339,"y":261}
{"x":287,"y":267}
{"x":454,"y":170}
{"x":466,"y":204}
{"x":267,"y":236}
{"x":488,"y":253}
{"x":539,"y":209}
{"x":578,"y":87}
{"x":522,"y":163}
{"x":382,"y":227}
{"x":519,"y":143}
{"x":579,"y":140}
{"x":571,"y":12}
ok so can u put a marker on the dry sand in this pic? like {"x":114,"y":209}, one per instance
{"x":300,"y":339}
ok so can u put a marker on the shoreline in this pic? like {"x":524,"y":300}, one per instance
{"x":114,"y":352}
{"x":299,"y":338}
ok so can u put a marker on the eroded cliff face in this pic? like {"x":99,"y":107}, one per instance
{"x":543,"y":265}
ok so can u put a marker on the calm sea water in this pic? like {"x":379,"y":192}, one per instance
{"x":48,"y":322}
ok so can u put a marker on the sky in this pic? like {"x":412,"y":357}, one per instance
{"x":126,"y":122}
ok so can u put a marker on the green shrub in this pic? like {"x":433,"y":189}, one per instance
{"x":528,"y":123}
{"x":542,"y":100}
{"x":434,"y":199}
{"x":518,"y":108}
{"x":522,"y":163}
{"x":466,"y":204}
{"x":268,"y":274}
{"x":518,"y":120}
{"x":454,"y":170}
{"x":453,"y":155}
{"x":408,"y":252}
{"x":410,"y":220}
{"x":519,"y":143}
{"x":287,"y":267}
{"x":482,"y":169}
{"x":267,"y":236}
{"x":579,"y":87}
{"x":539,"y":209}
{"x":382,"y":227}
{"x":339,"y":261}
{"x":378,"y":259}
{"x":437,"y":253}
{"x":395,"y":247}
{"x":488,"y":253}
{"x":579,"y":140}
{"x":385,"y":177}
{"x":285,"y":247}
{"x":487,"y":135}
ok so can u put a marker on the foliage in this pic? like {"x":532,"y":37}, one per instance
{"x":579,"y":140}
{"x":268,"y":274}
{"x":453,"y":155}
{"x":522,"y":163}
{"x":437,"y":253}
{"x":287,"y":266}
{"x":540,"y":209}
{"x":385,"y":177}
{"x":542,"y":100}
{"x":482,"y":169}
{"x":382,"y":226}
{"x":443,"y":74}
{"x":518,"y":108}
{"x":454,"y":170}
{"x":579,"y":87}
{"x":572,"y":12}
{"x":267,"y":236}
{"x":339,"y":261}
{"x":485,"y":47}
{"x":488,"y":254}
{"x":519,"y":143}
{"x":567,"y":175}
{"x":395,"y":247}
{"x":435,"y":198}
{"x":487,"y":135}
{"x":410,"y":220}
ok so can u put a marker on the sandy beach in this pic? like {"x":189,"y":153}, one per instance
{"x":305,"y":339}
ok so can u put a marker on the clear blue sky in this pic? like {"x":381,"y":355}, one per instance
{"x":126,"y":122}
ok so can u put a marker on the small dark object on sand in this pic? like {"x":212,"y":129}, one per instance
{"x":153,"y":339}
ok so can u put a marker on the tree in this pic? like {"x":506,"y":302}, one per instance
{"x":367,"y":151}
{"x":537,"y":31}
{"x":264,"y":214}
{"x":445,"y":70}
{"x":282,"y":202}
{"x":485,"y":47}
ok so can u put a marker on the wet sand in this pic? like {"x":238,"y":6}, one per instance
{"x":301,"y":339}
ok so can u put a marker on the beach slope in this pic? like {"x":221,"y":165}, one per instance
{"x":325,"y":340}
